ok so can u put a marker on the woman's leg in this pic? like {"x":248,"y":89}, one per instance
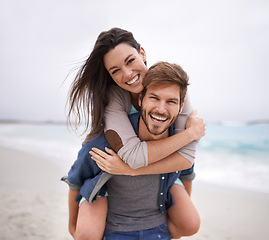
{"x":183,"y":218}
{"x":91,"y":220}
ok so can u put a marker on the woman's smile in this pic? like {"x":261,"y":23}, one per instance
{"x":126,"y":66}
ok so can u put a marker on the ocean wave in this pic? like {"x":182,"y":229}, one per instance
{"x":249,"y":172}
{"x":227,"y":156}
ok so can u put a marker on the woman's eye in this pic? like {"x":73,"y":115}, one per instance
{"x":115,"y":71}
{"x":130,"y":61}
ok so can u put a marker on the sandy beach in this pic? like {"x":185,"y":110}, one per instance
{"x":33,"y":204}
{"x":33,"y":200}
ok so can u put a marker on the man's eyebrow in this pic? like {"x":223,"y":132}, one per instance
{"x":153,"y":94}
{"x":125,"y":60}
{"x":169,"y":99}
{"x":173,"y":99}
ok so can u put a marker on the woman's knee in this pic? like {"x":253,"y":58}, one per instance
{"x":185,"y":231}
{"x":91,"y":220}
{"x":87,"y":235}
{"x":191,"y":226}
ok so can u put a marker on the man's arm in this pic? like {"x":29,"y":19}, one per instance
{"x":83,"y":169}
{"x":73,"y":211}
{"x":188,"y":186}
{"x":186,"y":177}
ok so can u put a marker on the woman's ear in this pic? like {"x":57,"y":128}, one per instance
{"x":143,"y":54}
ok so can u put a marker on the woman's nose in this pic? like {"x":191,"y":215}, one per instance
{"x":127,"y":72}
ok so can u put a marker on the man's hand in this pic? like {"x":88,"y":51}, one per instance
{"x":110,"y":162}
{"x":196,"y":126}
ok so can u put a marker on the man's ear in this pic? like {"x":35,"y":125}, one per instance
{"x":140,"y":99}
{"x":143,"y":54}
{"x":181,"y":107}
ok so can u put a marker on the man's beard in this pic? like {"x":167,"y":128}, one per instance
{"x":156,"y":133}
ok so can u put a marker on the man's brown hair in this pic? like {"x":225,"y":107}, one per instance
{"x":164,"y":72}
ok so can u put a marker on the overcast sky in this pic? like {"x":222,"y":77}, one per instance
{"x":222,"y":45}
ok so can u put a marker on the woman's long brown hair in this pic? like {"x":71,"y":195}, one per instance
{"x":88,"y":94}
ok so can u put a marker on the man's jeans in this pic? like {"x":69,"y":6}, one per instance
{"x":157,"y":233}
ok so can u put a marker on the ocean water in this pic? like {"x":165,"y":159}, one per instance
{"x":235,"y":156}
{"x":54,"y":141}
{"x":231,"y":156}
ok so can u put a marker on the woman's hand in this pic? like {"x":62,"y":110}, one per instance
{"x":196,"y":126}
{"x":110,"y":162}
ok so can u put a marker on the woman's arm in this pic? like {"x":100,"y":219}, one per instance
{"x":119,"y":131}
{"x":114,"y":165}
{"x":189,"y":150}
{"x":188,"y":129}
{"x":123,"y":139}
{"x":111,"y":163}
{"x":185,"y":141}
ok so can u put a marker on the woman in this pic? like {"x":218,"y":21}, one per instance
{"x":118,"y":59}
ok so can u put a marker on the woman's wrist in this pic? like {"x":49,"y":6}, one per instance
{"x":190,"y":134}
{"x":130,"y":171}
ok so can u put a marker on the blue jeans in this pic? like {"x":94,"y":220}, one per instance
{"x":158,"y":233}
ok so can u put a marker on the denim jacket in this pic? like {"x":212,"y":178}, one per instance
{"x":86,"y":177}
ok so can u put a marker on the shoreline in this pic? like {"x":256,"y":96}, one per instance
{"x":34,"y":203}
{"x":233,"y":190}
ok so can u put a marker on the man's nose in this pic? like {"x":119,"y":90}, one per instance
{"x":161,"y":107}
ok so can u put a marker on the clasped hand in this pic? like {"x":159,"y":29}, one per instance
{"x":110,"y":162}
{"x":196,"y":125}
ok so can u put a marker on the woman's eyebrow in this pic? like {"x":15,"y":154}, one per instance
{"x":125,"y":60}
{"x":112,"y":68}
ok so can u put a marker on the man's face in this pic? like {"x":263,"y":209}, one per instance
{"x":160,"y":107}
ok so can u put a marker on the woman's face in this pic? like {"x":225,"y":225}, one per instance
{"x":126,"y":66}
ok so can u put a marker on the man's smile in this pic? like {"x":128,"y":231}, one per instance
{"x":158,"y":118}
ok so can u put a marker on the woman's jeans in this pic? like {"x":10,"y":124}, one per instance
{"x":158,"y":233}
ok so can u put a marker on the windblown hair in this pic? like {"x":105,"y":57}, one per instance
{"x":164,"y":72}
{"x":88,"y":94}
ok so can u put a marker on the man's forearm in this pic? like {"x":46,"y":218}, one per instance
{"x":73,"y":211}
{"x":188,"y":186}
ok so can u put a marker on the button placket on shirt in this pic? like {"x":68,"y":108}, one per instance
{"x":161,"y":206}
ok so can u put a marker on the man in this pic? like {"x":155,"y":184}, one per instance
{"x":135,"y":202}
{"x":138,"y":205}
